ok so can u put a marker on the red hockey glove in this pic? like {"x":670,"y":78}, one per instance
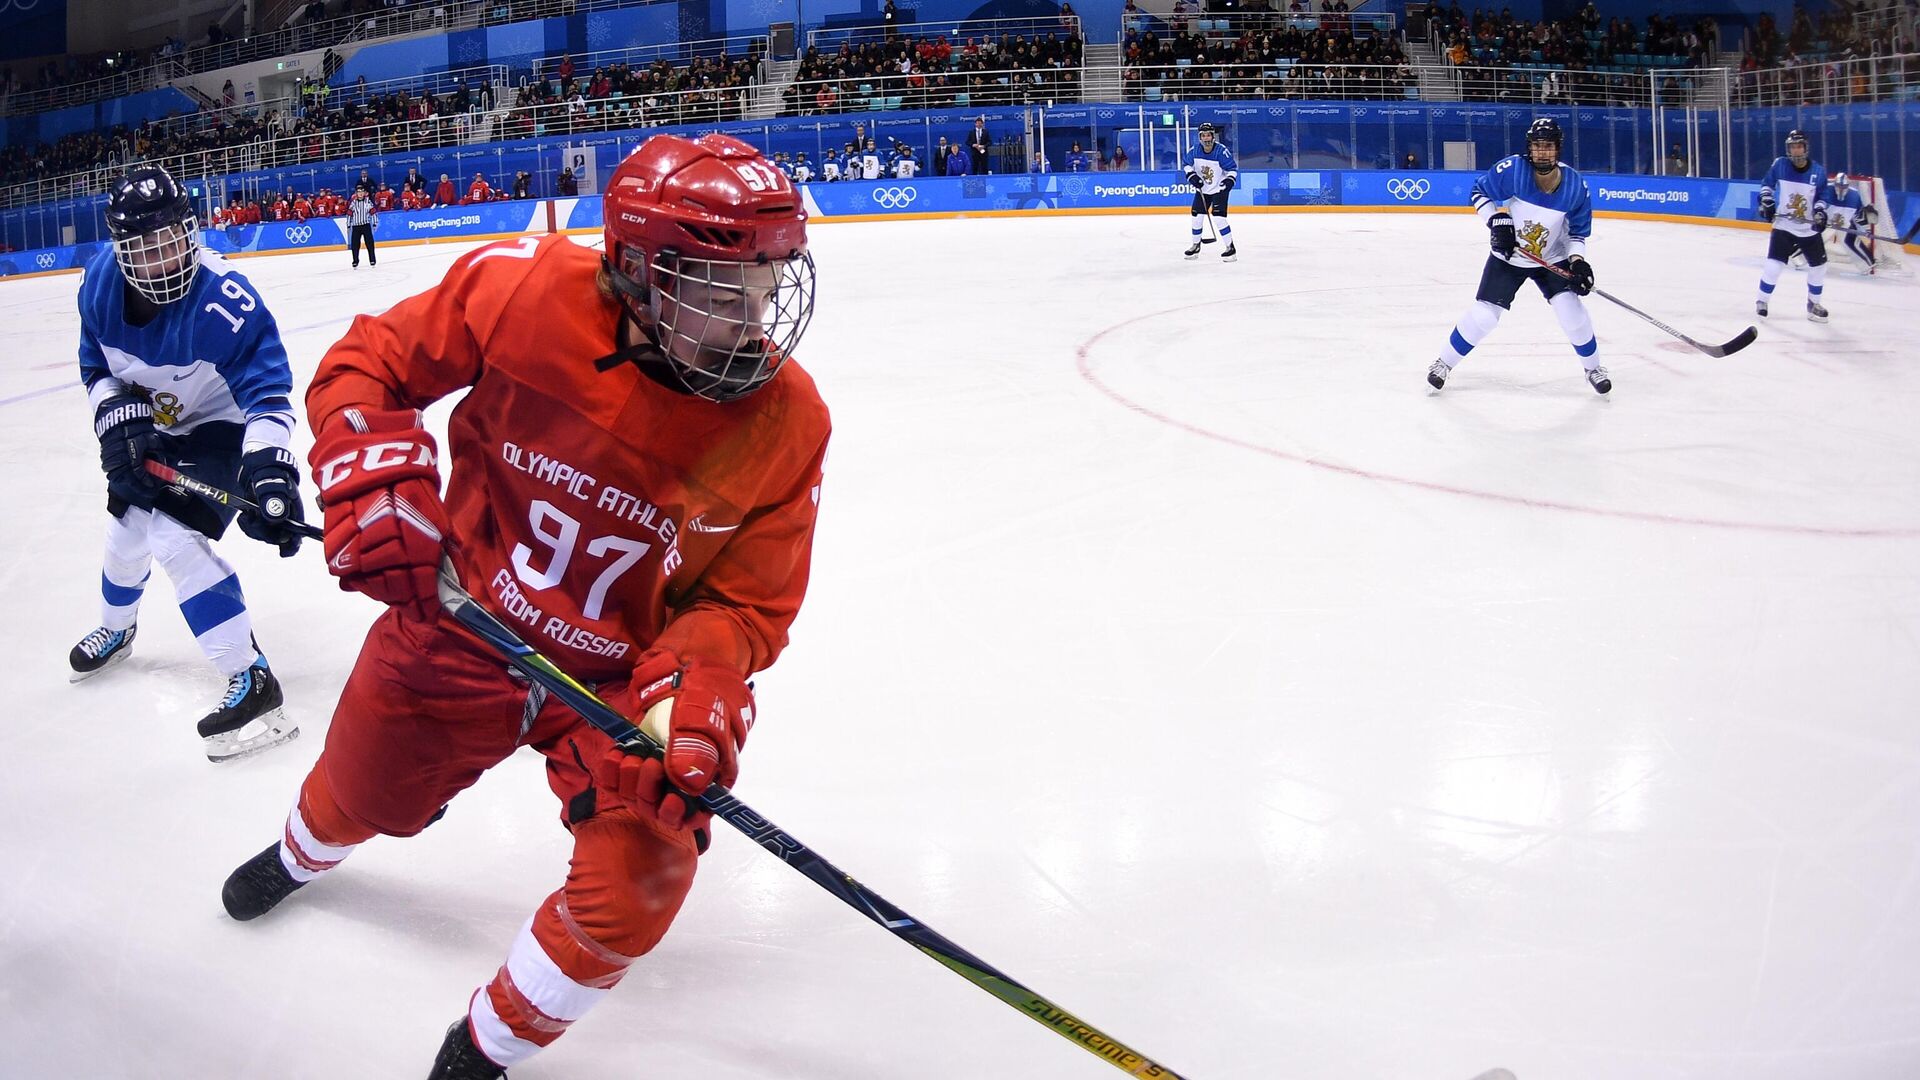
{"x":700,"y":712}
{"x":380,"y":485}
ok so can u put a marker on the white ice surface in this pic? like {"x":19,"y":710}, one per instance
{"x":1169,"y":646}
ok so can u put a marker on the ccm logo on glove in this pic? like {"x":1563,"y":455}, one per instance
{"x":385,"y":455}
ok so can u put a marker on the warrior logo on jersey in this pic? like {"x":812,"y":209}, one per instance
{"x":1797,"y":207}
{"x":1534,"y":239}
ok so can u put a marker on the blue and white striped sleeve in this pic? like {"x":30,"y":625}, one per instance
{"x":1493,"y":189}
{"x":1770,"y":183}
{"x":1228,"y":166}
{"x":1579,"y":221}
{"x":261,"y":381}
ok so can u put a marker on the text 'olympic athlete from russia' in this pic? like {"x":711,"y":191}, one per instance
{"x":635,"y":474}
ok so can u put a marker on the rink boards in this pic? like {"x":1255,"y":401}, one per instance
{"x":1279,"y":190}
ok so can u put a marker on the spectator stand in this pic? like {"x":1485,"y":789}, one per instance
{"x":970,"y":63}
{"x":149,"y":72}
{"x":1267,"y":54}
{"x":709,"y":80}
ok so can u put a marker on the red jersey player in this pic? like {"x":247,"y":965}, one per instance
{"x":635,"y":470}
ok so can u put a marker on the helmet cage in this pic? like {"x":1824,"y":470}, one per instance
{"x":725,"y":327}
{"x":161,"y":264}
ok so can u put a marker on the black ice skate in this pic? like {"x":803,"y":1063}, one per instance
{"x":1193,"y":252}
{"x":249,"y":718}
{"x":1230,"y":254}
{"x":1816,"y":312}
{"x":1760,"y":308}
{"x":1437,"y":374}
{"x":258,"y":886}
{"x":1599,"y":380}
{"x":459,"y":1059}
{"x":99,"y":651}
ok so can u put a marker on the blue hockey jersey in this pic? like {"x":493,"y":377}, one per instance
{"x":1213,"y":167}
{"x":1797,"y":193}
{"x":212,"y":357}
{"x":1552,"y":226}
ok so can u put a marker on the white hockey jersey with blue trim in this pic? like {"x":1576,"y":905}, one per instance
{"x":1553,"y":225}
{"x":1212,"y":166}
{"x":1797,"y":193}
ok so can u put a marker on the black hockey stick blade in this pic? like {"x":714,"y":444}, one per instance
{"x":167,"y":474}
{"x":1740,"y":341}
{"x":723,"y":805}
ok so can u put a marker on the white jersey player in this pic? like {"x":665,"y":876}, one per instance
{"x":1536,"y":210}
{"x":1211,"y":173}
{"x":183,"y":364}
{"x":1793,"y":196}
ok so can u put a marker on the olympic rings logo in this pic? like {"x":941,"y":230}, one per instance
{"x":21,"y":5}
{"x":894,"y":198}
{"x":1408,"y":190}
{"x":45,"y":260}
{"x":299,"y":234}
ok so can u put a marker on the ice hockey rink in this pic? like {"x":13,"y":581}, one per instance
{"x":1170,"y":646}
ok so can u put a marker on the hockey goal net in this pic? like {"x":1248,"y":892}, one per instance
{"x":1887,"y":256}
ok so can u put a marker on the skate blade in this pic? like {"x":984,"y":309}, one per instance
{"x":263,"y":732}
{"x":1811,"y":317}
{"x":82,"y":676}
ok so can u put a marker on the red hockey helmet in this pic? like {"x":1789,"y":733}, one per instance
{"x":706,"y":244}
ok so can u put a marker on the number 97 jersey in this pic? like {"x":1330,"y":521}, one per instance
{"x":212,"y":357}
{"x":594,"y":510}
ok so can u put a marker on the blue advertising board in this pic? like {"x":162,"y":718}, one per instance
{"x":1306,"y":189}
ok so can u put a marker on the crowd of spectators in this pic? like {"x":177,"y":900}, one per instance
{"x":932,"y":72}
{"x":1814,"y":61}
{"x":1581,"y":58}
{"x":704,"y":89}
{"x":350,"y":121}
{"x":1281,"y":58}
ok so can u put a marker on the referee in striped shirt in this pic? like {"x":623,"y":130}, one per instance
{"x":360,"y":225}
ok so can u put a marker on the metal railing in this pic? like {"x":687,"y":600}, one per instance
{"x":1836,"y":82}
{"x":436,"y":83}
{"x":956,"y":31}
{"x":440,"y":17}
{"x":933,"y":90}
{"x":620,"y":112}
{"x":1214,"y":26}
{"x":1679,"y":99}
{"x":741,"y":47}
{"x":1181,"y":81}
{"x":151,"y":74}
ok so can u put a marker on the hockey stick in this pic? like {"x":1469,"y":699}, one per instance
{"x":1211,"y":234}
{"x":1739,"y":341}
{"x":722,"y":804}
{"x":170,"y":475}
{"x":1868,"y":234}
